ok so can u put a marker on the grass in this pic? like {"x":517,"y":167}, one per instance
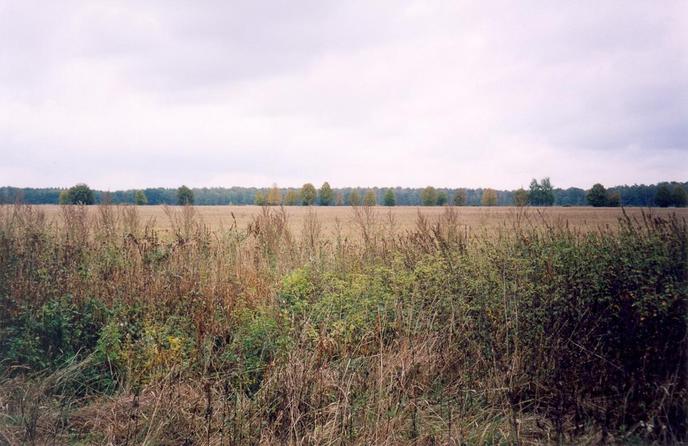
{"x":342,"y":326}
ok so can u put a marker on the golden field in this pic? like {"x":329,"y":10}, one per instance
{"x":342,"y":219}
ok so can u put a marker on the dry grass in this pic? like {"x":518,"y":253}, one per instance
{"x":300,"y":326}
{"x":342,"y":219}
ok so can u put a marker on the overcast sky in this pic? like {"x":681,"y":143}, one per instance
{"x":221,"y":93}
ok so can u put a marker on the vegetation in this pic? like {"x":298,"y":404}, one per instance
{"x":489,"y":198}
{"x":185,"y":196}
{"x":667,"y":196}
{"x":635,"y":195}
{"x":460,"y":197}
{"x":369,"y":198}
{"x":274,"y":196}
{"x":114,"y":334}
{"x":326,"y":195}
{"x":79,"y":194}
{"x":292,"y":198}
{"x":541,"y":194}
{"x":597,"y":196}
{"x":140,"y":198}
{"x":428,"y":196}
{"x":308,"y":194}
{"x":680,"y":196}
{"x":520,"y":197}
{"x":354,"y":198}
{"x":389,"y":199}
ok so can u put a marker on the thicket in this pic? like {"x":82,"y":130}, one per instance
{"x":113,"y":333}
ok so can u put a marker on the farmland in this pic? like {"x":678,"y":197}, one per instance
{"x":399,"y":219}
{"x":366,"y":325}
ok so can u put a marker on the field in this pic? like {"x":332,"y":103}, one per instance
{"x":400,"y":219}
{"x":310,"y":326}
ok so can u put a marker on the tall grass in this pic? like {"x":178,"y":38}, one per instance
{"x":534,"y":333}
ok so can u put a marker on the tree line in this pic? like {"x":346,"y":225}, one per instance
{"x":539,"y":193}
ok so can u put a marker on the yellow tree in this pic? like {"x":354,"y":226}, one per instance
{"x":489,"y":198}
{"x":274,"y":197}
{"x":292,"y":198}
{"x":354,"y":198}
{"x":369,"y":199}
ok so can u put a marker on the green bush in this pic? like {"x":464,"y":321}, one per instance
{"x":48,"y":337}
{"x":258,"y":339}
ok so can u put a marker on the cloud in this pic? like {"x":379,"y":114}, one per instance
{"x":131,"y":94}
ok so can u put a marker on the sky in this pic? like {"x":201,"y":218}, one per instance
{"x":133,"y":94}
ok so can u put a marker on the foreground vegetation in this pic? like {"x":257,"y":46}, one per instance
{"x":535,"y":333}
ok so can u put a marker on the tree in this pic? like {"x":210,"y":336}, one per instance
{"x":274,"y":197}
{"x":325,"y":195}
{"x":63,"y":198}
{"x":339,"y":199}
{"x":680,"y":196}
{"x":597,"y":196}
{"x":308,"y":194}
{"x":140,"y":198}
{"x":389,"y":199}
{"x":292,"y":198}
{"x":354,"y":198}
{"x":547,"y":192}
{"x":442,"y":198}
{"x":541,"y":194}
{"x":428,"y":196}
{"x":614,"y":199}
{"x":80,"y":194}
{"x":260,"y":198}
{"x":460,"y":198}
{"x":489,"y":198}
{"x":663,"y":197}
{"x":184,"y":196}
{"x":520,"y":197}
{"x":369,"y":199}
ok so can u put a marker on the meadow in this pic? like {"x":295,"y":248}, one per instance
{"x":346,"y":326}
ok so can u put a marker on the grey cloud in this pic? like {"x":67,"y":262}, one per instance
{"x":412,"y":92}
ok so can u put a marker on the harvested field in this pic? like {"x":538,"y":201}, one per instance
{"x":398,"y":219}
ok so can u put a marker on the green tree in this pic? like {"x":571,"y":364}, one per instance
{"x":354,"y":198}
{"x":140,"y":198}
{"x":614,"y":199}
{"x":369,"y":199}
{"x":80,"y":194}
{"x":292,"y":198}
{"x":325,"y":195}
{"x":460,"y":198}
{"x":520,"y":197}
{"x":489,"y":197}
{"x":185,"y":196}
{"x":428,"y":196}
{"x":541,"y":194}
{"x":389,"y":199}
{"x":260,"y":198}
{"x":441,"y":198}
{"x":308,"y":194}
{"x":680,"y":196}
{"x":663,"y":197}
{"x":597,"y":196}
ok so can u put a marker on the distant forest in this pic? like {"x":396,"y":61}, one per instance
{"x":635,"y":195}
